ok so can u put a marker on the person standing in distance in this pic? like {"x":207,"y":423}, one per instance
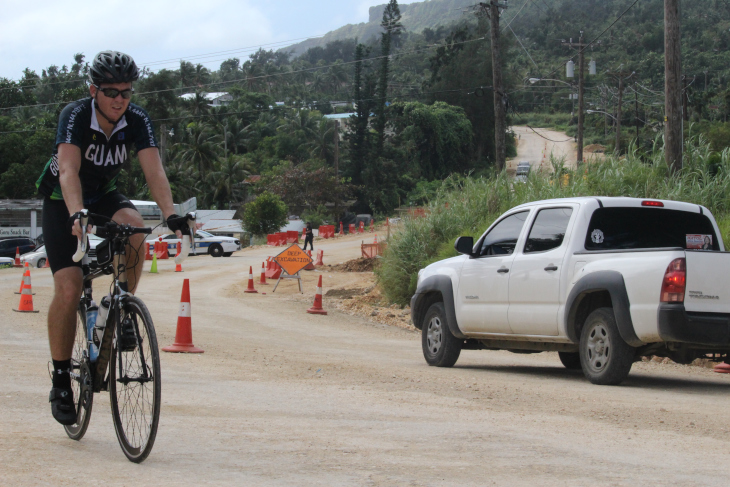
{"x":309,"y":237}
{"x":93,"y":141}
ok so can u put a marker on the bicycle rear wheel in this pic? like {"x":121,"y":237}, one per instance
{"x":134,"y":382}
{"x":80,"y":379}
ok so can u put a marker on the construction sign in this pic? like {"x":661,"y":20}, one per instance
{"x":293,"y":260}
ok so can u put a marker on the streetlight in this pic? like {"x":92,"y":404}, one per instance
{"x":600,"y":111}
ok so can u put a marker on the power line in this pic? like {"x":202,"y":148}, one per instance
{"x":217,"y":83}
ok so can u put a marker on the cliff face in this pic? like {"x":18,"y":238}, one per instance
{"x":414,"y":16}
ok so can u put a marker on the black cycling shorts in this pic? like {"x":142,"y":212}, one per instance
{"x":60,"y":243}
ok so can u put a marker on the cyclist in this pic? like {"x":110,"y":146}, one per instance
{"x":92,"y":143}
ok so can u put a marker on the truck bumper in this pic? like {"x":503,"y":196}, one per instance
{"x":678,"y":325}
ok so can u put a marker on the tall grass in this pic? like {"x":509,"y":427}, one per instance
{"x":467,"y":206}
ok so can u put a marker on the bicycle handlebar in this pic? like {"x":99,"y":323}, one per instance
{"x":110,"y":228}
{"x":185,"y":249}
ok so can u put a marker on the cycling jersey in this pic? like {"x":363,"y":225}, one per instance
{"x":101,"y":157}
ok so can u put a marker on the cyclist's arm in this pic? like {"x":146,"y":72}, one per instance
{"x":69,"y":164}
{"x":154,"y":173}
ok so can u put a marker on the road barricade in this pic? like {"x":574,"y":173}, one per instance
{"x":292,"y":236}
{"x":147,"y":252}
{"x":272,"y":239}
{"x":351,"y":228}
{"x":361,"y":229}
{"x":370,"y":251}
{"x":320,"y":256}
{"x":273,"y":270}
{"x":161,"y":250}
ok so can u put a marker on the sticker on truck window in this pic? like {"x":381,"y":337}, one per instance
{"x":701,"y":242}
{"x":597,"y":236}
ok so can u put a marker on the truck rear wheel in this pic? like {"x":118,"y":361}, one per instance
{"x":440,"y":347}
{"x":604,"y":356}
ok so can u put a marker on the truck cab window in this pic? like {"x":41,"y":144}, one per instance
{"x":548,"y":230}
{"x":502,"y":239}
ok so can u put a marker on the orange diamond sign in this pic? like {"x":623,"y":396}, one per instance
{"x":293,"y":259}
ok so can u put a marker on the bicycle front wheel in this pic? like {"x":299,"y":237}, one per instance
{"x":134,"y":380}
{"x":81,"y":382}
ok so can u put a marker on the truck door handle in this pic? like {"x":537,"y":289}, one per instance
{"x":503,"y":270}
{"x":551,"y":268}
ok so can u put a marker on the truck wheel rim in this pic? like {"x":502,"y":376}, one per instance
{"x":434,"y":335}
{"x":599,"y":348}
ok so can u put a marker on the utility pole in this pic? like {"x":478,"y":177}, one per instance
{"x":337,"y":149}
{"x":163,"y":143}
{"x":636,"y":116}
{"x":672,"y":87}
{"x":621,"y":76}
{"x":581,"y":77}
{"x":492,"y":10}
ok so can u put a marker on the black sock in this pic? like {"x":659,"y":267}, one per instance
{"x":61,"y":377}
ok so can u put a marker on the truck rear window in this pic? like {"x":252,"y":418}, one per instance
{"x":645,"y":228}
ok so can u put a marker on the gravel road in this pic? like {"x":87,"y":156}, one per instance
{"x":536,"y":146}
{"x":281,"y":397}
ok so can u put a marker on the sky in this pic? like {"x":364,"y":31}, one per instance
{"x":158,"y":33}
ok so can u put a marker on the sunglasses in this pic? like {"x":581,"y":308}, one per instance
{"x":113,"y":92}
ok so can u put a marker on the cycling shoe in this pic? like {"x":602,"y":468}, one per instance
{"x":62,"y":405}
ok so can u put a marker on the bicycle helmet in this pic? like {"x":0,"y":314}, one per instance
{"x":113,"y":67}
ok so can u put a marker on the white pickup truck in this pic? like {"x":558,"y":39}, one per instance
{"x":602,"y":281}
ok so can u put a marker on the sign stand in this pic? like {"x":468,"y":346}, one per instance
{"x":288,"y":276}
{"x":292,"y":261}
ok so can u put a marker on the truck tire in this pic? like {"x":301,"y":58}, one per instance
{"x":571,"y":360}
{"x":440,"y":347}
{"x":605,"y":357}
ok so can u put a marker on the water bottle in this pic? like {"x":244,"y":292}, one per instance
{"x":101,"y":319}
{"x":91,"y":314}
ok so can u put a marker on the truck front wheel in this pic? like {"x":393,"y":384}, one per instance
{"x":440,"y":347}
{"x":604,"y":356}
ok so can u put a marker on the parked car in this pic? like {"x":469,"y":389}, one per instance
{"x":37,"y":258}
{"x":523,"y":170}
{"x":602,"y":281}
{"x":205,"y":243}
{"x":8,"y":246}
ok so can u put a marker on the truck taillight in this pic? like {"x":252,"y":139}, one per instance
{"x":674,"y":282}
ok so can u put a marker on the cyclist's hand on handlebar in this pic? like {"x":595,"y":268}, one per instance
{"x":74,"y":224}
{"x":178,"y":224}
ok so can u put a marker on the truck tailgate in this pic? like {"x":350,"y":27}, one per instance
{"x":707,"y":288}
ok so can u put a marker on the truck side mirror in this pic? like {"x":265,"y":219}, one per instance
{"x":464,"y":245}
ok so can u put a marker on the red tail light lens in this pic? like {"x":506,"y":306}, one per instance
{"x":657,"y":204}
{"x":674,"y":282}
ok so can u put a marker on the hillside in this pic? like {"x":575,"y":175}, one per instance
{"x":415,"y":17}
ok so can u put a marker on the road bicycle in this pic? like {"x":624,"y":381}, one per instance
{"x":128,"y":361}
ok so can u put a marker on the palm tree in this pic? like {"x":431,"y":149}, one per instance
{"x":198,"y":149}
{"x":226,"y":180}
{"x":321,"y":140}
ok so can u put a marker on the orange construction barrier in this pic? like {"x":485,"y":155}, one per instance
{"x":184,"y":333}
{"x":282,"y":238}
{"x":316,"y":308}
{"x":262,"y":280}
{"x":362,"y":227}
{"x":147,"y":253}
{"x":372,"y":226}
{"x":26,"y":295}
{"x":292,"y":236}
{"x":250,"y":288}
{"x":320,"y":255}
{"x":273,"y":270}
{"x":351,"y":228}
{"x":161,"y":250}
{"x":342,"y":230}
{"x":17,"y":258}
{"x":310,"y":266}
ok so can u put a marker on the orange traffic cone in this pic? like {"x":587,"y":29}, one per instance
{"x":47,"y":263}
{"x":320,"y":255}
{"x":184,"y":333}
{"x":316,"y":308}
{"x":17,"y":258}
{"x":722,"y":368}
{"x":310,"y":266}
{"x":22,"y":281}
{"x":26,"y":295}
{"x":250,"y":288}
{"x":262,"y":280}
{"x":375,"y":241}
{"x":178,"y":267}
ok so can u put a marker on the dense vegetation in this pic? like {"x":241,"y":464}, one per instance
{"x":467,"y":206}
{"x":431,"y":98}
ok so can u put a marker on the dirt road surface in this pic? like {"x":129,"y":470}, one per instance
{"x":536,"y":150}
{"x":281,"y":397}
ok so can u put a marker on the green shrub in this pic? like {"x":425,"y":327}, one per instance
{"x":467,"y":206}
